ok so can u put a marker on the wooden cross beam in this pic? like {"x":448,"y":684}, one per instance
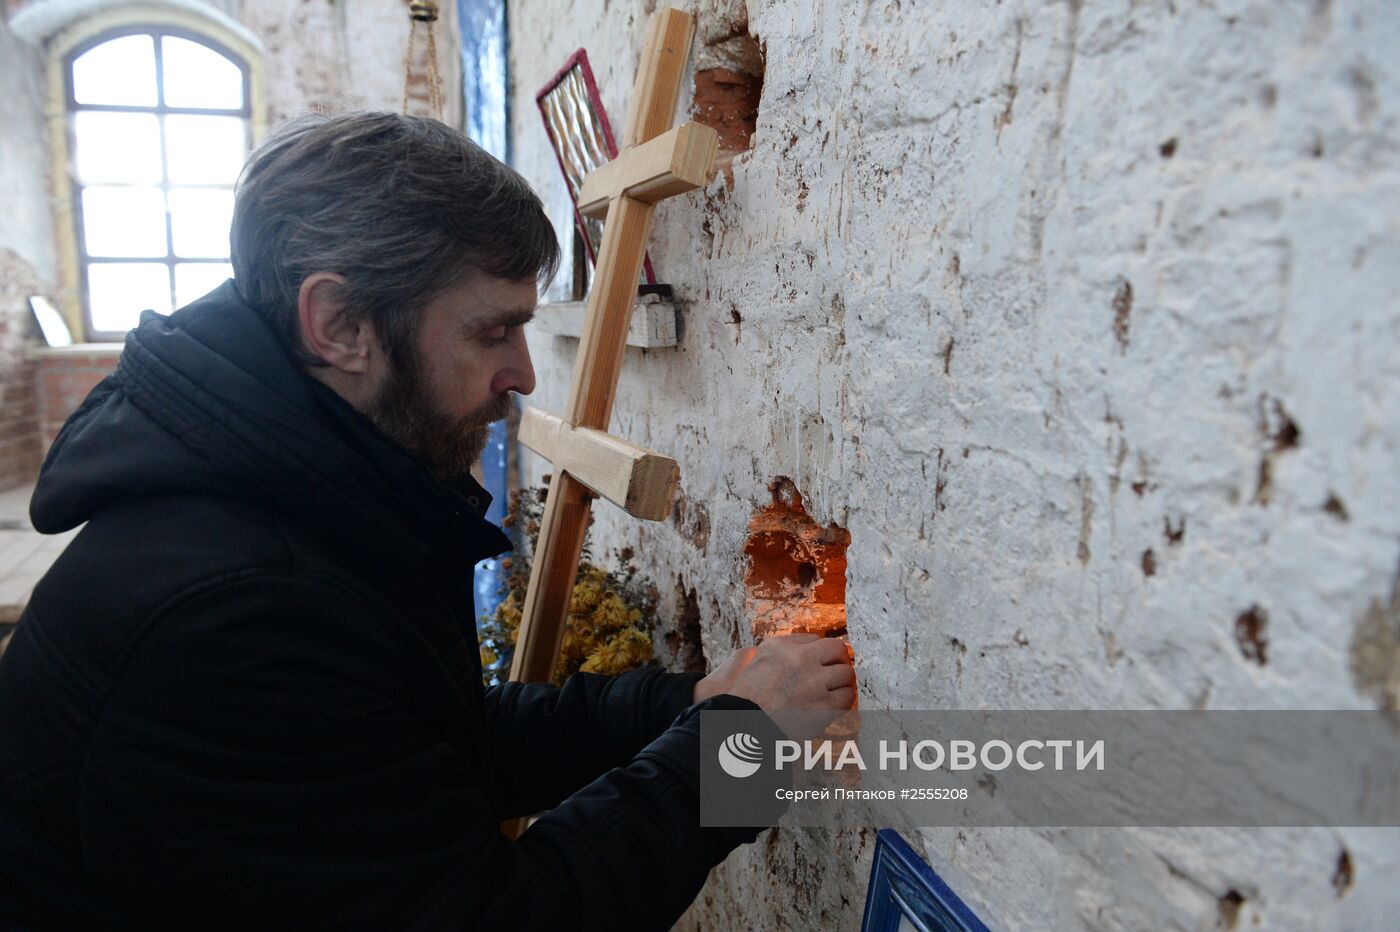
{"x":637,"y":480}
{"x":670,"y":164}
{"x":653,"y":164}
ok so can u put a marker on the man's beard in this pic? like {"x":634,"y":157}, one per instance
{"x":404,"y":411}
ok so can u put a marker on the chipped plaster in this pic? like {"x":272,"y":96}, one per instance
{"x":1011,"y":291}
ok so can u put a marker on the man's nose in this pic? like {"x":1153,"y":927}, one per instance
{"x":519,"y":374}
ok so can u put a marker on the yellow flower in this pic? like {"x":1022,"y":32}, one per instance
{"x":625,"y":650}
{"x":604,"y":631}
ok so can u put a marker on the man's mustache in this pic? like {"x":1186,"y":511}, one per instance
{"x":494,"y":410}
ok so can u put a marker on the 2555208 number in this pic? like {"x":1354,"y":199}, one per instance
{"x":938,"y":792}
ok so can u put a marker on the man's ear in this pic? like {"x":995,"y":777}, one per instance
{"x":327,"y":330}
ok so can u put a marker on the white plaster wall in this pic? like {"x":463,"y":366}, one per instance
{"x":26,"y":246}
{"x":347,"y":55}
{"x":928,"y":246}
{"x":26,"y":223}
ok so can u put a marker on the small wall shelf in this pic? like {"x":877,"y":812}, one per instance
{"x":654,"y":321}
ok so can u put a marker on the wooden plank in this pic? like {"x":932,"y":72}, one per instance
{"x":672,"y":163}
{"x":599,"y":360}
{"x":610,"y":303}
{"x":653,"y":324}
{"x":35,"y":555}
{"x":657,"y":87}
{"x":552,"y":573}
{"x":642,"y":482}
{"x":16,"y":544}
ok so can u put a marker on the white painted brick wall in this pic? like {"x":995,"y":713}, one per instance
{"x":990,"y":177}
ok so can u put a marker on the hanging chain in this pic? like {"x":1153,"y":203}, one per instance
{"x":425,"y":12}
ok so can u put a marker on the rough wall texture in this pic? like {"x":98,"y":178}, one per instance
{"x":25,"y":224}
{"x":26,"y":248}
{"x":349,"y":54}
{"x":19,"y":408}
{"x":1082,"y":320}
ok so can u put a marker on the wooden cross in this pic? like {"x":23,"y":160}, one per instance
{"x":652,"y":165}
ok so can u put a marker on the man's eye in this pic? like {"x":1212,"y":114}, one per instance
{"x":495,"y":337}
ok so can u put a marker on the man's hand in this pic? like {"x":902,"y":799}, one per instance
{"x":790,"y":671}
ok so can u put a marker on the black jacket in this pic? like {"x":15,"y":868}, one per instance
{"x":249,"y":694}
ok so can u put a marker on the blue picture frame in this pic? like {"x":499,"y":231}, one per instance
{"x":905,"y":893}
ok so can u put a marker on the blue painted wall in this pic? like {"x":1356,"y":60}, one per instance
{"x":484,"y":84}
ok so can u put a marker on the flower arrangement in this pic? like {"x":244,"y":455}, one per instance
{"x":611,"y":613}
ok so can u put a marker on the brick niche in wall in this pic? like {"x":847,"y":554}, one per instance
{"x":19,"y":407}
{"x":20,"y":452}
{"x":63,"y":378}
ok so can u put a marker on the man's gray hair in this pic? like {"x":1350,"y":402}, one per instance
{"x":402,"y":206}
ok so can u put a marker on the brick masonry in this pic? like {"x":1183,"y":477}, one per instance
{"x":19,"y":411}
{"x":38,"y":390}
{"x":63,"y":381}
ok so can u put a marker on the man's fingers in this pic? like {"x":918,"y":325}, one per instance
{"x":843,"y":698}
{"x":831,"y":650}
{"x":838,"y":675}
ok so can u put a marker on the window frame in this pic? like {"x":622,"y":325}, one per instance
{"x":197,"y":21}
{"x":72,"y":107}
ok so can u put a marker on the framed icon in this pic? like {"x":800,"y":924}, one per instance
{"x":582,"y":137}
{"x":906,"y":895}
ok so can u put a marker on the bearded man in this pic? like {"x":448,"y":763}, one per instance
{"x":248,"y":694}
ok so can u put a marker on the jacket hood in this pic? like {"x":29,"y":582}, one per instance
{"x":207,"y":401}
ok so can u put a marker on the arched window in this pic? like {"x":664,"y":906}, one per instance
{"x":159,"y":126}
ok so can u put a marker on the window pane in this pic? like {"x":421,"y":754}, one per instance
{"x":124,"y":222}
{"x":119,"y":292}
{"x":205,"y":149}
{"x":197,"y":76}
{"x":200,"y":219}
{"x":119,"y":147}
{"x":194,"y":280}
{"x":121,"y":71}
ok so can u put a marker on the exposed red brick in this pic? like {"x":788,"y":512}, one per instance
{"x":19,"y":433}
{"x":728,"y":101}
{"x":797,"y":568}
{"x":63,"y":382}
